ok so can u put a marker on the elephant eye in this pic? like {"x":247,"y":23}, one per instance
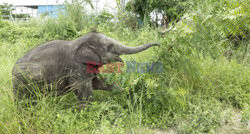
{"x":110,"y":46}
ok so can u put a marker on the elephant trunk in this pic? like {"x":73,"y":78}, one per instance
{"x":122,"y":49}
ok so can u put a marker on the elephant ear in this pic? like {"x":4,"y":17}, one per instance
{"x":86,"y":54}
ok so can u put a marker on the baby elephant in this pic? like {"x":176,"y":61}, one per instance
{"x":62,"y":66}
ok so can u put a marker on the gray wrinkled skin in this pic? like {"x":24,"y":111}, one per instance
{"x":61,"y":66}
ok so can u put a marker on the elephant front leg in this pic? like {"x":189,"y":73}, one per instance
{"x":82,"y":89}
{"x":101,"y":85}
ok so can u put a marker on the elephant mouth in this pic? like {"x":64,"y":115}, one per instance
{"x":118,"y":59}
{"x":111,"y":62}
{"x":114,"y":60}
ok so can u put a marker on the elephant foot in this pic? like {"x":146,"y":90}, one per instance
{"x":81,"y":106}
{"x":99,"y":84}
{"x":84,"y":103}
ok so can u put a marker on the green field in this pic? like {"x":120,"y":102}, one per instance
{"x":204,"y":86}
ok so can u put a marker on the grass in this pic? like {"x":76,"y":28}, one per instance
{"x":204,"y":86}
{"x":121,"y":111}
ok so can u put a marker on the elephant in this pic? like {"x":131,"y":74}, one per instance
{"x":61,"y":66}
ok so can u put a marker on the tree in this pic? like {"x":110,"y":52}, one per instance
{"x":6,"y":10}
{"x":170,"y":9}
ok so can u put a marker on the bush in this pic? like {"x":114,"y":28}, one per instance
{"x":13,"y":32}
{"x":194,"y":65}
{"x":105,"y":17}
{"x":60,"y":28}
{"x":75,"y":12}
{"x":203,"y":87}
{"x":129,"y":20}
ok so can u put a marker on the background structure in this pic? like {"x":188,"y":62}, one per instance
{"x":35,"y":8}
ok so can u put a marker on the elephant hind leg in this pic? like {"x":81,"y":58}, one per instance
{"x":26,"y":88}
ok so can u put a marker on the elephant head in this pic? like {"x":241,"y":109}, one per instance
{"x":102,"y":49}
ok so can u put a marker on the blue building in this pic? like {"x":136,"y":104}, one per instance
{"x":50,"y":10}
{"x":35,"y":8}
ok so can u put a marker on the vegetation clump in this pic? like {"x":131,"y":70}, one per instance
{"x":204,"y":86}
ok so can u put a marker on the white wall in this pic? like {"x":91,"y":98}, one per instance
{"x":99,"y":5}
{"x":25,"y":10}
{"x":32,"y":2}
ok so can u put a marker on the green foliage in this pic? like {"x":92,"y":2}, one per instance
{"x":58,"y":28}
{"x":191,"y":61}
{"x":128,"y":20}
{"x":6,"y":10}
{"x":21,"y":15}
{"x":105,"y":17}
{"x":204,"y":86}
{"x":1,"y":14}
{"x":230,"y":18}
{"x":13,"y":32}
{"x":172,"y":10}
{"x":204,"y":117}
{"x":70,"y":21}
{"x":74,"y":10}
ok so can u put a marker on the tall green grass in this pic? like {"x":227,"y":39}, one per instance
{"x":204,"y":86}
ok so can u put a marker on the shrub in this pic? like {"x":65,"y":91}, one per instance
{"x":11,"y":32}
{"x":59,"y":28}
{"x":205,"y":78}
{"x":105,"y":17}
